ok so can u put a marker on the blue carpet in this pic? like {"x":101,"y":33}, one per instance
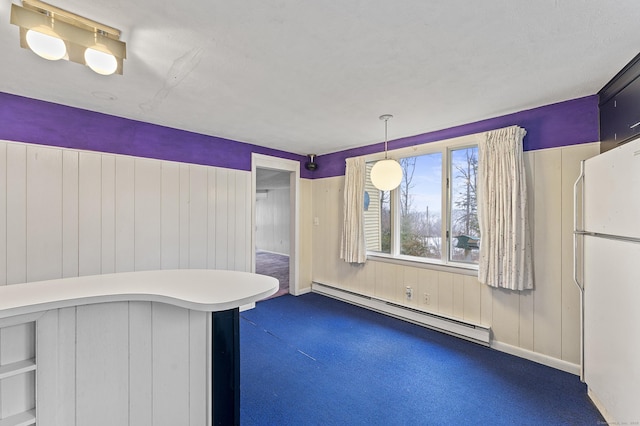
{"x":313,"y":360}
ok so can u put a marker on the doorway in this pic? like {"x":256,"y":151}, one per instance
{"x":275,"y":220}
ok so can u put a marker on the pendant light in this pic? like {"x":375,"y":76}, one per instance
{"x":386,"y":174}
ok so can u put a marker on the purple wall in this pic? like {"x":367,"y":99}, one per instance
{"x":33,"y":121}
{"x":38,"y":122}
{"x":565,"y":123}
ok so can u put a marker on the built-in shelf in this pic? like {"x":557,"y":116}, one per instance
{"x":16,"y":368}
{"x":18,"y":374}
{"x":21,"y":419}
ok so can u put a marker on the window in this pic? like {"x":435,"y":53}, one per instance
{"x":432,"y":216}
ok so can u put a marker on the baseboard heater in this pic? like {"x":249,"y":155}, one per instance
{"x":462,"y":329}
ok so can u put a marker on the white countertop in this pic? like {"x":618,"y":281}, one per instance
{"x":196,"y":289}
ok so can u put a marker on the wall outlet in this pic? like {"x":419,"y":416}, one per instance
{"x":427,"y":299}
{"x":409,"y":292}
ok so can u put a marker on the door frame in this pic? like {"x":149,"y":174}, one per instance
{"x":261,"y":161}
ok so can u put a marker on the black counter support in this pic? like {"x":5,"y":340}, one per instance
{"x":225,"y":367}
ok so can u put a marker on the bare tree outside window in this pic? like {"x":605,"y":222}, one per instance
{"x":422,"y":194}
{"x":465,"y":229}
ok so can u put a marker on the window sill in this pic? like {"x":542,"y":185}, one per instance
{"x":462,"y":269}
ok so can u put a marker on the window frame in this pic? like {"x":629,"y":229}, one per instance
{"x":445,"y":148}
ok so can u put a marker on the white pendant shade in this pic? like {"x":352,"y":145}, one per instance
{"x":386,"y":175}
{"x":101,"y":62}
{"x":45,"y":45}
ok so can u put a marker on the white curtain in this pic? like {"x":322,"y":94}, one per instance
{"x":352,"y":246}
{"x":505,"y":249}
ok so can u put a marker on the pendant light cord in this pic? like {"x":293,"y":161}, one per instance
{"x":386,"y":118}
{"x":386,"y":156}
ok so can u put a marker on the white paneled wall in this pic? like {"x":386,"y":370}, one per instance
{"x":124,"y":363}
{"x":273,"y":221}
{"x":65,"y":213}
{"x":545,"y":321}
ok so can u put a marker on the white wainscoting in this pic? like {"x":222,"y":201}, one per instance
{"x":545,"y":321}
{"x":124,"y":363}
{"x":273,"y":221}
{"x":66,"y":213}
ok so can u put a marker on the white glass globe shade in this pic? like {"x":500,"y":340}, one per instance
{"x":45,"y":45}
{"x":101,"y":62}
{"x":386,"y":175}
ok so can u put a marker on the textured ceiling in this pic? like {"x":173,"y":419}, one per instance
{"x":313,"y":77}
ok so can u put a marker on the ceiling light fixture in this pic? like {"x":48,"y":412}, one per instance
{"x":53,"y":33}
{"x":386,"y":174}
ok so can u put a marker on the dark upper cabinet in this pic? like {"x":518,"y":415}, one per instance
{"x":620,"y":107}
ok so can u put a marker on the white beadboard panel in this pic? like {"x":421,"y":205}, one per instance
{"x":543,"y":321}
{"x":526,"y":324}
{"x":124,"y":214}
{"x":90,"y":214}
{"x":198,"y":380}
{"x":547,"y":253}
{"x":16,"y":213}
{"x":486,"y":305}
{"x":458,"y":296}
{"x":70,"y":213}
{"x":108,"y":250}
{"x":526,"y":297}
{"x":170,"y":339}
{"x":198,"y":213}
{"x":505,"y":324}
{"x":44,"y":213}
{"x":231,"y":219}
{"x":147,"y":214}
{"x":222,"y":212}
{"x":399,"y":288}
{"x":3,"y":212}
{"x":102,"y":364}
{"x":445,"y":293}
{"x":242,"y":209}
{"x":66,"y":372}
{"x":47,"y":369}
{"x":170,"y":216}
{"x":184,"y":225}
{"x":140,"y":364}
{"x":211,"y":218}
{"x":472,"y":301}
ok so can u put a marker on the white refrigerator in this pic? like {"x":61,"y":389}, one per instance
{"x":607,"y":269}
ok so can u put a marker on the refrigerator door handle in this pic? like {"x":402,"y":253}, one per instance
{"x":577,"y":231}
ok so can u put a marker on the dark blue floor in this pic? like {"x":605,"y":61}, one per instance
{"x":312,"y":360}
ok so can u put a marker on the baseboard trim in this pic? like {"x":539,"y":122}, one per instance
{"x":417,"y":317}
{"x":302,"y":291}
{"x":549,"y":361}
{"x":455,"y":327}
